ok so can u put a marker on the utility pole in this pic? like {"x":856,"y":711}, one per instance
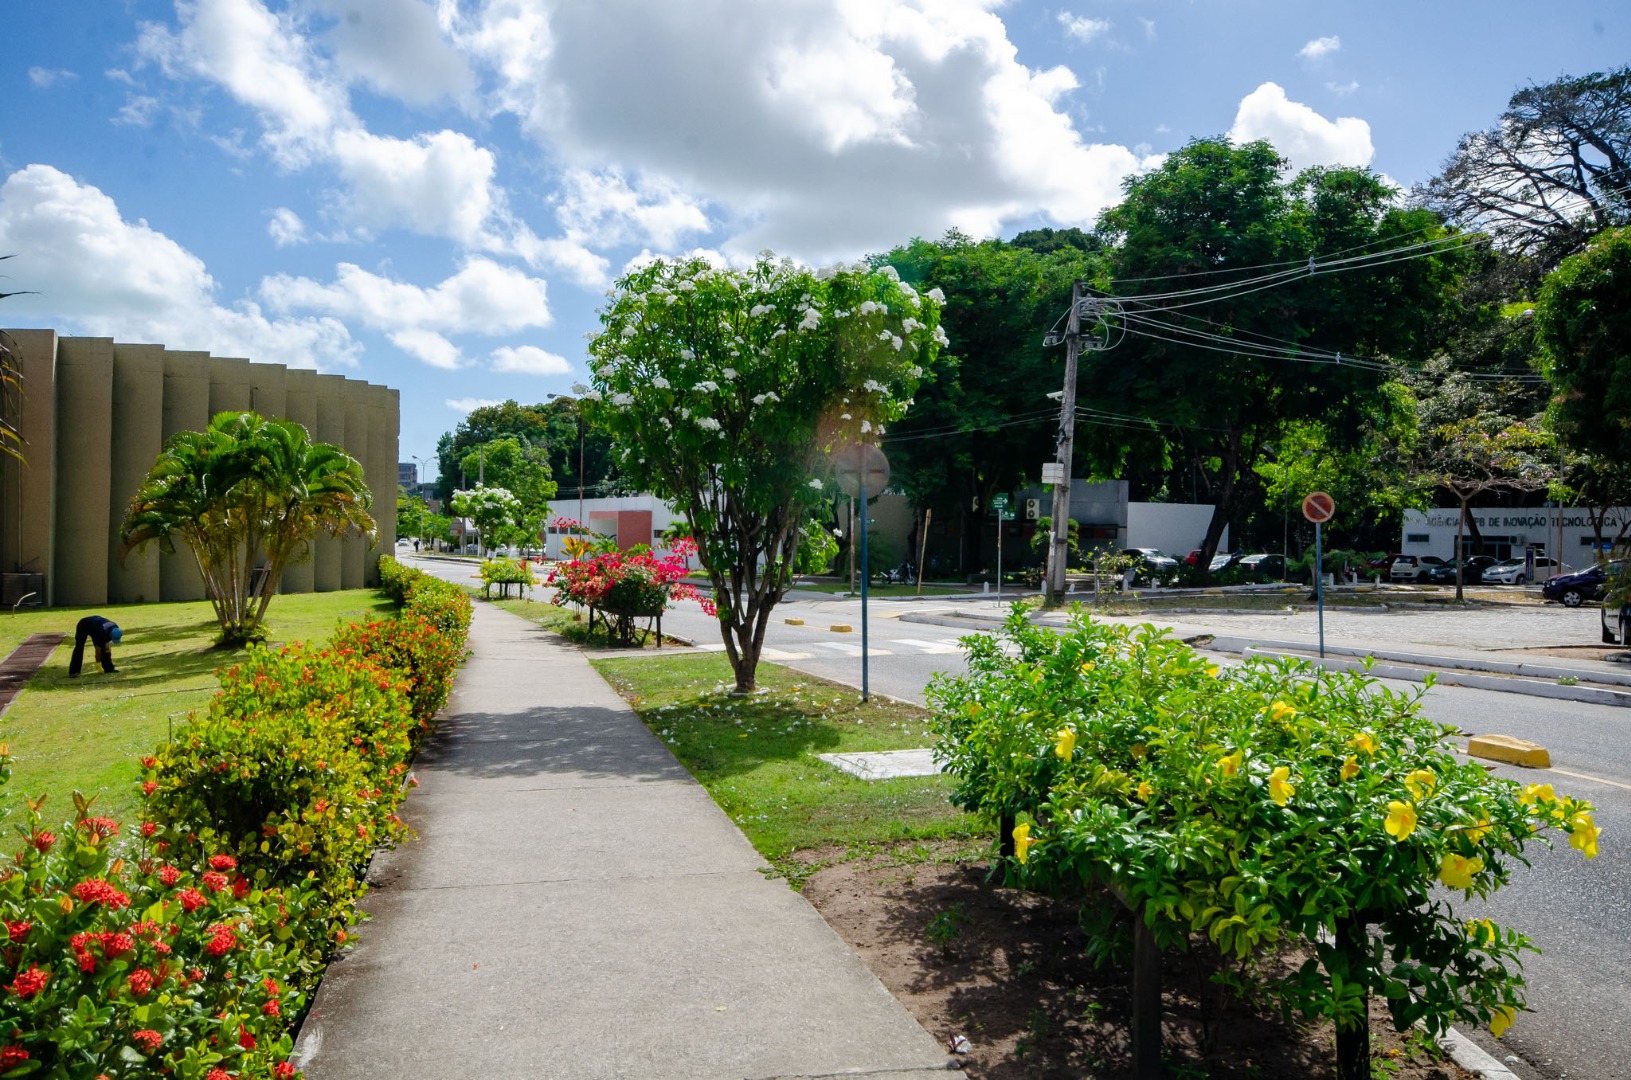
{"x":1060,"y":549}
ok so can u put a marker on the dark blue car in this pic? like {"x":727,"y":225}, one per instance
{"x":1572,"y":590}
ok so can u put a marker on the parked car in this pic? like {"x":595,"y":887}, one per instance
{"x":1472,"y":572}
{"x":1152,"y":564}
{"x":1382,"y":563}
{"x":1222,"y":561}
{"x":1193,"y":558}
{"x":1410,"y":567}
{"x":1616,"y":620}
{"x":1572,"y":590}
{"x":1516,"y":572}
{"x":1265,"y":566}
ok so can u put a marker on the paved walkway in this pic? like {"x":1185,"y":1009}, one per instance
{"x":577,"y":906}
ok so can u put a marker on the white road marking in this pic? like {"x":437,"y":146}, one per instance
{"x":928,"y":646}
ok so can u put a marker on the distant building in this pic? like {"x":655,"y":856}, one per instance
{"x":93,"y":415}
{"x":1507,"y":533}
{"x":407,"y":474}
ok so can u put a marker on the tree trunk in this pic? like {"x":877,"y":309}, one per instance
{"x":1353,"y":1040}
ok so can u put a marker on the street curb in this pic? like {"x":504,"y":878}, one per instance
{"x":1524,"y":668}
{"x":1472,"y":1057}
{"x":1443,"y":677}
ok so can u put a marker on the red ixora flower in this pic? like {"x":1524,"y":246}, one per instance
{"x":283,"y":1071}
{"x":149,"y":786}
{"x":245,"y":1039}
{"x":223,"y":862}
{"x":214,"y":880}
{"x":18,"y":930}
{"x":148,"y":1040}
{"x":12,"y":1056}
{"x":117,"y":944}
{"x":97,"y":891}
{"x":141,"y":982}
{"x":30,"y":982}
{"x":43,"y":840}
{"x":100,"y":826}
{"x":217,"y":1074}
{"x":222,"y":940}
{"x":169,"y":875}
{"x":191,"y":900}
{"x":148,"y":828}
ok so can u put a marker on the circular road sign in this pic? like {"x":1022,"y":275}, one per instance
{"x":1319,"y":507}
{"x":853,"y":462}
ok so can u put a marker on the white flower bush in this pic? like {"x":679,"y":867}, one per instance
{"x":728,"y":388}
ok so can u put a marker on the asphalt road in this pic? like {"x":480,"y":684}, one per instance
{"x":1577,"y":912}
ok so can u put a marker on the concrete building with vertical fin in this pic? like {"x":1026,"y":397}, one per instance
{"x":94,"y":413}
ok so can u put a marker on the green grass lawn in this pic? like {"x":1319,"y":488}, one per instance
{"x":86,"y":734}
{"x":757,"y":756}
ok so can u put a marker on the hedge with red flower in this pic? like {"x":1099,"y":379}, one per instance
{"x":632,"y":582}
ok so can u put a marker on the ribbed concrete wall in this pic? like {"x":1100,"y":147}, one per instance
{"x":354,"y":553}
{"x":186,"y":408}
{"x":84,"y":470}
{"x":31,"y":408}
{"x":94,"y":415}
{"x":300,"y":405}
{"x":327,"y":551}
{"x":138,"y":434}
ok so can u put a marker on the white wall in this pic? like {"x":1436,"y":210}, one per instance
{"x":1175,"y":528}
{"x":662,"y":516}
{"x":1433,"y":532}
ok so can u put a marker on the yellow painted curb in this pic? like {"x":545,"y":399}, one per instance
{"x":839,"y":628}
{"x":794,"y":622}
{"x":1513,"y":751}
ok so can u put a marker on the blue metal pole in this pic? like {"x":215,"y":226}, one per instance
{"x":1319,"y":585}
{"x":865,"y":690}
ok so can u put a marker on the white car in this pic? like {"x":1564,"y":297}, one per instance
{"x":1515,"y":572}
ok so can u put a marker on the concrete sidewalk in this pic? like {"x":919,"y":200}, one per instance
{"x":577,"y":906}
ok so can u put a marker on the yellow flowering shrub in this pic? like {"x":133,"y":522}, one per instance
{"x":1270,"y":803}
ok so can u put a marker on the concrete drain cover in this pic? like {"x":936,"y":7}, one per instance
{"x":885,"y":764}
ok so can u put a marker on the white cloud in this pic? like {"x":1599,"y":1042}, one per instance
{"x":1083,"y":29}
{"x":430,"y":347}
{"x":45,"y":78}
{"x":604,"y":209}
{"x":96,"y":273}
{"x":471,"y":404}
{"x":1302,"y":135}
{"x":437,"y":185}
{"x":483,"y":297}
{"x":285,"y":228}
{"x":137,"y":111}
{"x":1320,"y":47}
{"x":1342,"y":89}
{"x":529,"y":360}
{"x":742,"y":109}
{"x":398,"y":48}
{"x":1149,"y":28}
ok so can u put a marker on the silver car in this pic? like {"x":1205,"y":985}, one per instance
{"x":1516,"y":571}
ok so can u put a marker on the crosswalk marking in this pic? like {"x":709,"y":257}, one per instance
{"x":928,"y":646}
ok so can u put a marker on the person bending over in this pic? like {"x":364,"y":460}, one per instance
{"x":104,"y":634}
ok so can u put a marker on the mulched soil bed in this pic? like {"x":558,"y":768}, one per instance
{"x":1006,"y":971}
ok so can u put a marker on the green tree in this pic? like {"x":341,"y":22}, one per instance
{"x":984,"y":424}
{"x":246,"y":496}
{"x":1554,"y":169}
{"x":497,"y":514}
{"x":519,"y":468}
{"x":1234,"y":329}
{"x":528,"y":423}
{"x":1583,"y":322}
{"x":410,"y":511}
{"x":724,"y":390}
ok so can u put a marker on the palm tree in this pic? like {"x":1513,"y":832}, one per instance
{"x":246,"y":496}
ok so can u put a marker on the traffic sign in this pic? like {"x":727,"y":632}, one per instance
{"x":999,"y":503}
{"x":851,"y":462}
{"x":1319,"y":507}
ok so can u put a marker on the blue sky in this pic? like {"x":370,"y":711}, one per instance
{"x":435,"y":194}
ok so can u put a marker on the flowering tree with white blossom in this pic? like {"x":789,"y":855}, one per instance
{"x":725,"y":390}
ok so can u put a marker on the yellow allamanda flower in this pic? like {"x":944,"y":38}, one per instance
{"x":972,"y":708}
{"x":1584,"y":836}
{"x":1364,"y":742}
{"x":1501,"y":1019}
{"x":1476,"y":832}
{"x":1023,"y":842}
{"x":1457,"y":871}
{"x":1229,"y":764}
{"x":1401,"y":819}
{"x":1213,"y":670}
{"x":1145,"y":790}
{"x":1066,"y":744}
{"x":1421,"y":783}
{"x":1281,"y":711}
{"x":1483,"y":929}
{"x":1087,"y":666}
{"x":1350,"y":767}
{"x":1280,"y":787}
{"x":1537,"y":793}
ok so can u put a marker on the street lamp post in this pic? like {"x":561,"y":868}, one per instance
{"x":578,"y":411}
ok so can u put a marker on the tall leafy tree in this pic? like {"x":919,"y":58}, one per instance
{"x":1240,"y":288}
{"x":520,"y":468}
{"x":528,"y":423}
{"x":984,"y":424}
{"x":724,"y":390}
{"x":246,"y":496}
{"x":1583,"y":321}
{"x":1554,"y":169}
